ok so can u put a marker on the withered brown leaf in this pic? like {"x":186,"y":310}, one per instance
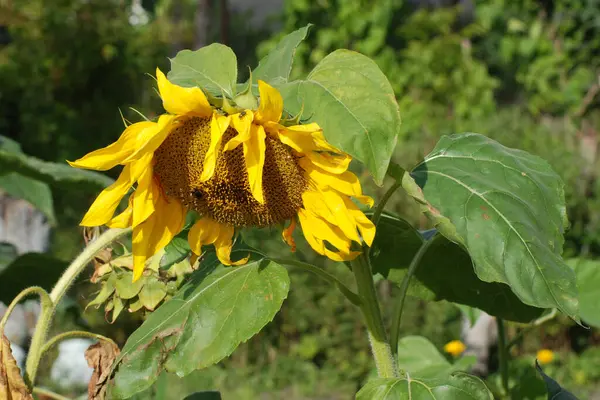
{"x":100,"y":356}
{"x":12,"y":386}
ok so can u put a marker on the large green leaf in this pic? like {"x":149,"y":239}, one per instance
{"x":37,"y":193}
{"x":60,"y":175}
{"x":352,"y":100}
{"x":213,"y":68}
{"x":30,"y":269}
{"x":214,"y":312}
{"x":458,"y":386}
{"x":419,"y":357}
{"x":588,"y":284}
{"x":276,"y":66}
{"x":445,"y":272}
{"x":506,"y":207}
{"x":555,"y":391}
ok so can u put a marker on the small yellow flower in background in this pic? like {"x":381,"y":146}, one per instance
{"x":455,"y":347}
{"x":235,"y":170}
{"x":545,"y":356}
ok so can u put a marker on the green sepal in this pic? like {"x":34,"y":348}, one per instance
{"x":246,"y":99}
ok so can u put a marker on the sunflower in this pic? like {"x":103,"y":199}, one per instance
{"x":235,"y":169}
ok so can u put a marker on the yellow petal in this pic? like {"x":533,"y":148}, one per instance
{"x":218,"y":126}
{"x":346,"y":182}
{"x":271,"y":103}
{"x":207,"y":231}
{"x":254,"y":154}
{"x":180,"y":100}
{"x":125,"y":219}
{"x":151,"y":139}
{"x":330,"y":206}
{"x":156,"y":232}
{"x":305,"y":138}
{"x":241,"y":123}
{"x":108,"y":157}
{"x":316,"y":231}
{"x":145,"y":197}
{"x":102,"y":209}
{"x":364,"y":224}
{"x":334,"y":164}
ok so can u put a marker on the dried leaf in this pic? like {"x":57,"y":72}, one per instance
{"x":12,"y":386}
{"x":100,"y":356}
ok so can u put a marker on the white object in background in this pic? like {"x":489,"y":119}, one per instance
{"x":16,"y":326}
{"x":479,"y":339}
{"x":70,"y":370}
{"x":19,"y":356}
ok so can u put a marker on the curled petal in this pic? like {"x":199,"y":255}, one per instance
{"x":218,"y":126}
{"x":179,"y":100}
{"x":317,"y":231}
{"x":287,"y":235}
{"x":114,"y":154}
{"x":125,"y":219}
{"x":364,"y":224}
{"x":103,"y":208}
{"x":305,"y":138}
{"x":241,"y":123}
{"x":254,"y":154}
{"x":271,"y":103}
{"x":150,"y":140}
{"x":156,"y":232}
{"x":334,"y":164}
{"x":207,"y":231}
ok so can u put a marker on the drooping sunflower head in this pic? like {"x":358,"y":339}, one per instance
{"x":235,"y":167}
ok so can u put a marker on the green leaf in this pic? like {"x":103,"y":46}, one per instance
{"x":277,"y":65}
{"x":506,"y":207}
{"x":352,"y":100}
{"x":152,"y":293}
{"x":204,"y":396}
{"x":419,"y":357}
{"x":213,"y":68}
{"x":458,"y":386}
{"x":588,"y":282}
{"x":176,"y":251}
{"x":8,"y":252}
{"x":445,"y":273}
{"x":37,"y":193}
{"x":30,"y":269}
{"x":555,"y":392}
{"x":217,"y":309}
{"x":55,"y":174}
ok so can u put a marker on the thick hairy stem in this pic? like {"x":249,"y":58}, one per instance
{"x":384,"y":361}
{"x":60,"y":289}
{"x":74,"y":334}
{"x":44,"y":299}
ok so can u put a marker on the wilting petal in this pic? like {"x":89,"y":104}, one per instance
{"x":346,"y":182}
{"x":254,"y":154}
{"x":103,"y":208}
{"x":207,"y":231}
{"x":305,"y":138}
{"x":316,"y":231}
{"x":241,"y":123}
{"x":218,"y":126}
{"x":114,"y":154}
{"x":334,"y":164}
{"x":180,"y":100}
{"x":156,"y":232}
{"x":364,"y":224}
{"x":125,"y":219}
{"x":287,"y":235}
{"x":149,"y":141}
{"x":271,"y":103}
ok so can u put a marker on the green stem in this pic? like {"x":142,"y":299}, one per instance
{"x":503,"y":354}
{"x":44,"y":300}
{"x":397,"y":317}
{"x":49,"y":394}
{"x":381,"y":205}
{"x":350,"y":295}
{"x":384,"y":361}
{"x":72,"y":334}
{"x":57,"y":293}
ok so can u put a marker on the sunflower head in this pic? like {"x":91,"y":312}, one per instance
{"x":235,"y":167}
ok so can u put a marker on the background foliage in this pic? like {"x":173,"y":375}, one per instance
{"x":523,"y":72}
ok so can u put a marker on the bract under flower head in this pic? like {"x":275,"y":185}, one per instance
{"x":235,"y":170}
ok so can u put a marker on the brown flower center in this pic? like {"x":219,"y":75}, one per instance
{"x":226,"y":197}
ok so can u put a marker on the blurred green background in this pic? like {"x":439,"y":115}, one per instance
{"x":526,"y":73}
